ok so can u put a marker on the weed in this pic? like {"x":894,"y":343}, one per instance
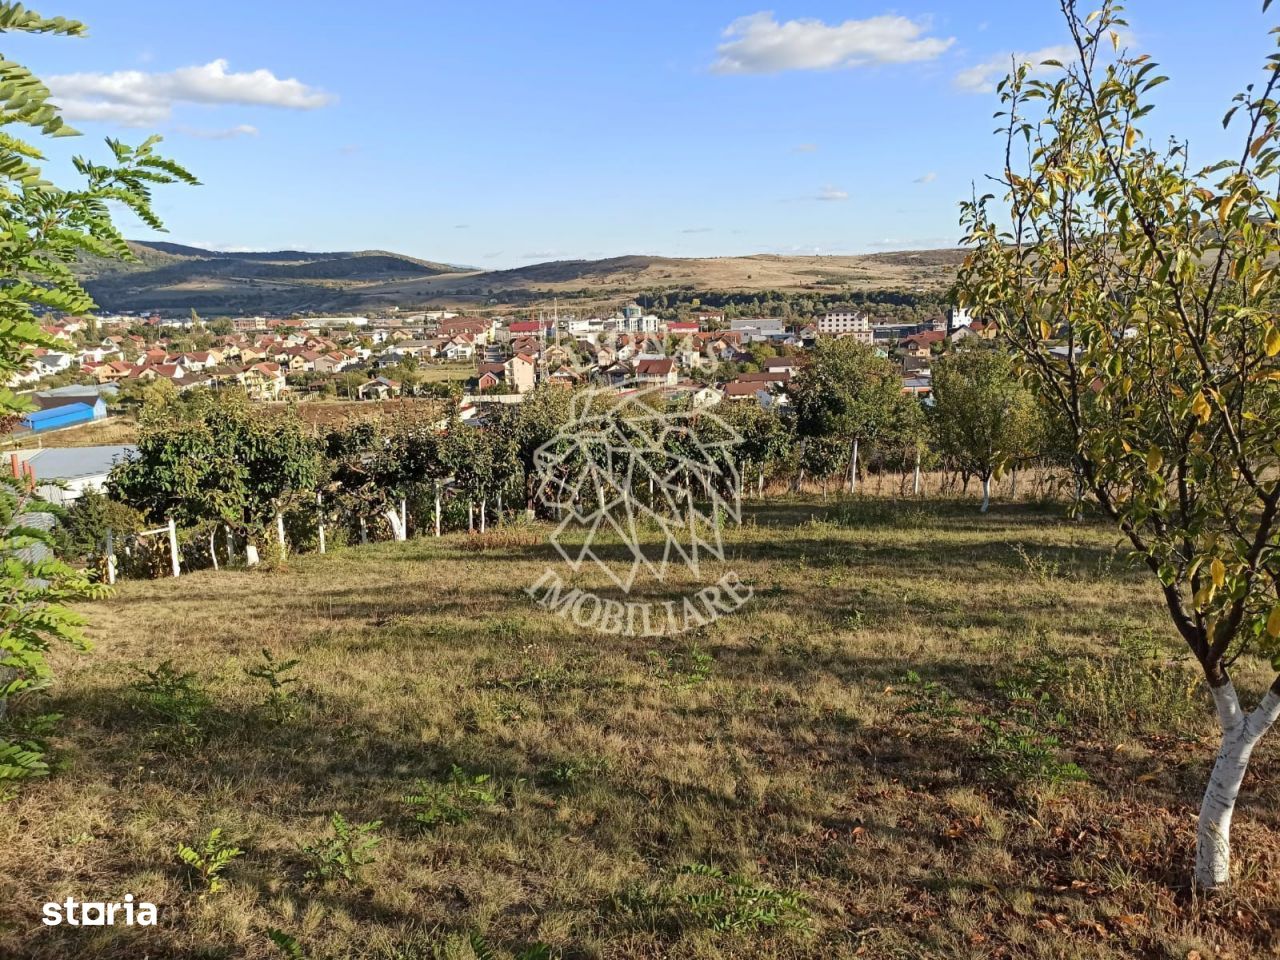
{"x":1044,"y":570}
{"x":208,"y":860}
{"x":280,"y":702}
{"x":1018,"y":753}
{"x":682,"y":669}
{"x":287,"y":944}
{"x":343,"y":854}
{"x":455,"y":801}
{"x":174,"y":701}
{"x":730,"y":902}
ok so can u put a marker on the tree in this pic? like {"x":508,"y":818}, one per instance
{"x":212,"y":458}
{"x":848,"y":394}
{"x":983,"y":417}
{"x":1140,"y":296}
{"x":45,"y":229}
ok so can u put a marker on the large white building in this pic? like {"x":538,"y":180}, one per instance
{"x":846,"y":323}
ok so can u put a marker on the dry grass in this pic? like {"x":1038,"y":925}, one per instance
{"x":868,"y":733}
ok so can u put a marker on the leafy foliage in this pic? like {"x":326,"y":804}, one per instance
{"x":280,"y":700}
{"x":455,"y":801}
{"x":1140,"y":296}
{"x":209,"y":859}
{"x":343,"y":854}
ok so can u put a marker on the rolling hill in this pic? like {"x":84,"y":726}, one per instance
{"x":174,"y":277}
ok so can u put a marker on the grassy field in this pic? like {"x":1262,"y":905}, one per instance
{"x":908,"y":744}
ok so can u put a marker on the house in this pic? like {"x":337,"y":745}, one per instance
{"x":661,"y":371}
{"x":786,"y":365}
{"x":682,"y":328}
{"x":379,"y":388}
{"x":921,"y":344}
{"x":459,"y":348}
{"x":112,"y":371}
{"x":264,"y":381}
{"x":522,"y":372}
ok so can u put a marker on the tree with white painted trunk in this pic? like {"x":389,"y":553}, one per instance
{"x":1140,"y":296}
{"x":215,"y":458}
{"x":984,"y":419}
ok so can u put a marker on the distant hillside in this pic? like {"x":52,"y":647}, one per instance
{"x":171,"y":276}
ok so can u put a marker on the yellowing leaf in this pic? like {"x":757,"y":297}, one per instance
{"x":1130,"y":136}
{"x":1224,"y":208}
{"x":1218,"y":570}
{"x":1273,"y":341}
{"x":1155,"y":459}
{"x":1200,"y":407}
{"x":1046,"y":331}
{"x":1273,"y":622}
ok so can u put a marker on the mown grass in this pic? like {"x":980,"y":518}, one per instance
{"x":910,"y":743}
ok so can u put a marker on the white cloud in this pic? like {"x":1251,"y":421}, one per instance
{"x":927,"y":178}
{"x":982,"y":77}
{"x":137,"y":98}
{"x":832,"y":193}
{"x":230,"y":133}
{"x":760,"y":44}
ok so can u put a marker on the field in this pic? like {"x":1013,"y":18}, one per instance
{"x":929,"y":734}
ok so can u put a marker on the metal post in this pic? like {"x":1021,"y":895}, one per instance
{"x":173,"y":546}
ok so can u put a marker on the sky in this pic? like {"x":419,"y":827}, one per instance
{"x":497,"y":134}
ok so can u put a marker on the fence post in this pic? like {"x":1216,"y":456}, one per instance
{"x":111,"y":556}
{"x":320,"y":521}
{"x":173,"y":546}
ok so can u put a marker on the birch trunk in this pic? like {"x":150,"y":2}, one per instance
{"x":986,"y":494}
{"x":1240,"y":734}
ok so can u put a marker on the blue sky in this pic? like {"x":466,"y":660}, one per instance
{"x":502,"y":133}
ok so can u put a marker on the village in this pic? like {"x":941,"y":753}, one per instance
{"x":699,"y":362}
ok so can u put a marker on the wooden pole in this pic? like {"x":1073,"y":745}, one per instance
{"x":320,"y":520}
{"x":111,"y":556}
{"x":173,"y":546}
